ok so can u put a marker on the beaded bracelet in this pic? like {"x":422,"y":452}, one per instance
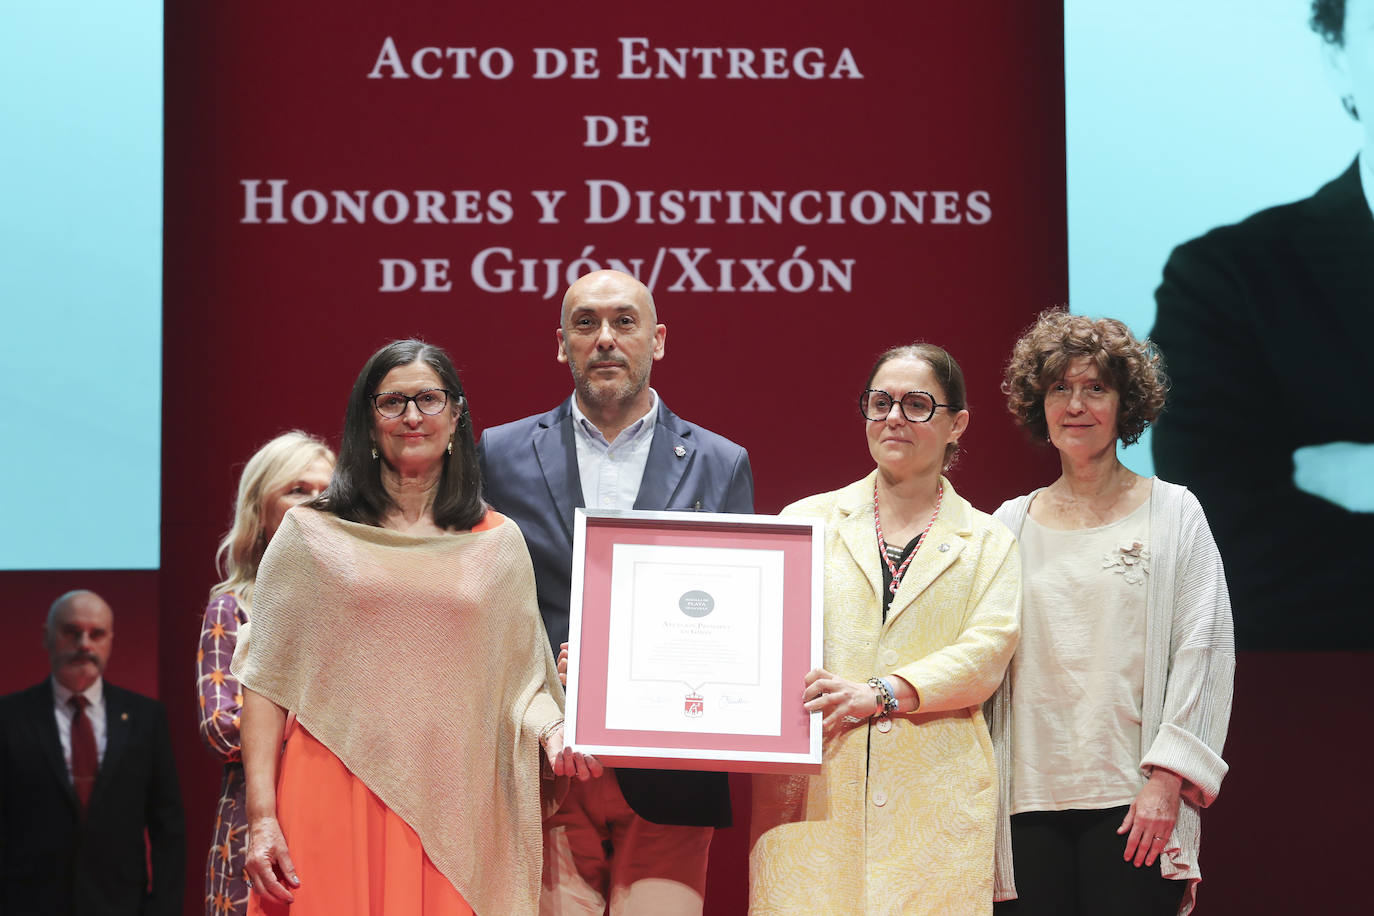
{"x":892,"y":693}
{"x":887,"y":699}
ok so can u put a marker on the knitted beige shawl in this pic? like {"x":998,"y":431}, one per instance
{"x":422,"y":663}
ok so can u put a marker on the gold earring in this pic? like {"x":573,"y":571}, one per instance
{"x":450,"y":446}
{"x":375,"y":456}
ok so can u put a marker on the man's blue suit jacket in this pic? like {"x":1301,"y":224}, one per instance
{"x":529,"y":471}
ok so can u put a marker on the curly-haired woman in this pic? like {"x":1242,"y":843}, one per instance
{"x":1110,"y":723}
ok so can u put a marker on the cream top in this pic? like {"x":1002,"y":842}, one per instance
{"x":1078,"y":679}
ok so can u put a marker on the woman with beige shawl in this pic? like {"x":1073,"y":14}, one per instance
{"x":396,"y":617}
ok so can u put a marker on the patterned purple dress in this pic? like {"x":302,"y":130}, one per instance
{"x":221,"y":702}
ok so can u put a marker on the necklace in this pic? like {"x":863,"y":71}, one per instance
{"x":882,"y":544}
{"x":1094,"y":509}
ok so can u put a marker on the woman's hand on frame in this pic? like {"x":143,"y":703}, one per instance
{"x":568,"y":762}
{"x":842,"y":702}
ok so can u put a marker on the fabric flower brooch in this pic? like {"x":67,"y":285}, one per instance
{"x":1131,"y":560}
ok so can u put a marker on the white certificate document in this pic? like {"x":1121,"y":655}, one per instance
{"x":695,"y":640}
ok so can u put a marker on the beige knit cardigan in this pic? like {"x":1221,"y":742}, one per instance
{"x":1190,"y":663}
{"x":422,"y":663}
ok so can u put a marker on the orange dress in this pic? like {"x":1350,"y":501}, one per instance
{"x":353,"y":854}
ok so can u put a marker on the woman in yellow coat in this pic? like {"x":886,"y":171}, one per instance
{"x":922,"y":604}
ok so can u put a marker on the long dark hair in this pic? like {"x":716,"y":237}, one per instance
{"x":356,"y":492}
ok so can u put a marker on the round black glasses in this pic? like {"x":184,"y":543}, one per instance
{"x":916,"y":406}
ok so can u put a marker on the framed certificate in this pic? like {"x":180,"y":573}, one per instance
{"x":690,"y":636}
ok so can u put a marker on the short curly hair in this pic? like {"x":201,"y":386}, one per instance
{"x":1328,"y":20}
{"x":1134,"y":368}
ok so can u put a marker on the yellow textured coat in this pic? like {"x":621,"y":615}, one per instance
{"x":902,"y":817}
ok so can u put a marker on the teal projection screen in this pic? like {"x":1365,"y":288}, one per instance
{"x":80,"y":284}
{"x":1215,"y":202}
{"x":1181,"y":116}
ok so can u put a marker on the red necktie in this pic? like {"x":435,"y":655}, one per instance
{"x":84,"y":757}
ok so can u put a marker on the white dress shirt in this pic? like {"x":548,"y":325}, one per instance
{"x":95,"y":711}
{"x":611,"y":471}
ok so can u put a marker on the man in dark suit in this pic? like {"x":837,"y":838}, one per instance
{"x":636,"y":838}
{"x":85,"y":769}
{"x":1266,"y":327}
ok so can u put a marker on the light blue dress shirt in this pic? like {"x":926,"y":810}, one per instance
{"x":610,"y":472}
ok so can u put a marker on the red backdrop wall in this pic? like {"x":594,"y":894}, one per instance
{"x":266,"y":323}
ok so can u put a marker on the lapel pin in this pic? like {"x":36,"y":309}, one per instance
{"x":124,"y":717}
{"x":679,"y":451}
{"x":943,"y":547}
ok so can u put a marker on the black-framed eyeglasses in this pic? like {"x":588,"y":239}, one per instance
{"x":392,"y":404}
{"x":916,"y":406}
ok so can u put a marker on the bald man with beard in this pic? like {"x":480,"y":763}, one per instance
{"x":637,"y":839}
{"x":85,"y":768}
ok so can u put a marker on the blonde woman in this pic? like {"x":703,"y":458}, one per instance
{"x":287,"y":471}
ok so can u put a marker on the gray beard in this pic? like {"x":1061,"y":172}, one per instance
{"x":603,"y":395}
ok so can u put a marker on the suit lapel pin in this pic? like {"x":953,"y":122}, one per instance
{"x":679,"y":451}
{"x":124,"y":717}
